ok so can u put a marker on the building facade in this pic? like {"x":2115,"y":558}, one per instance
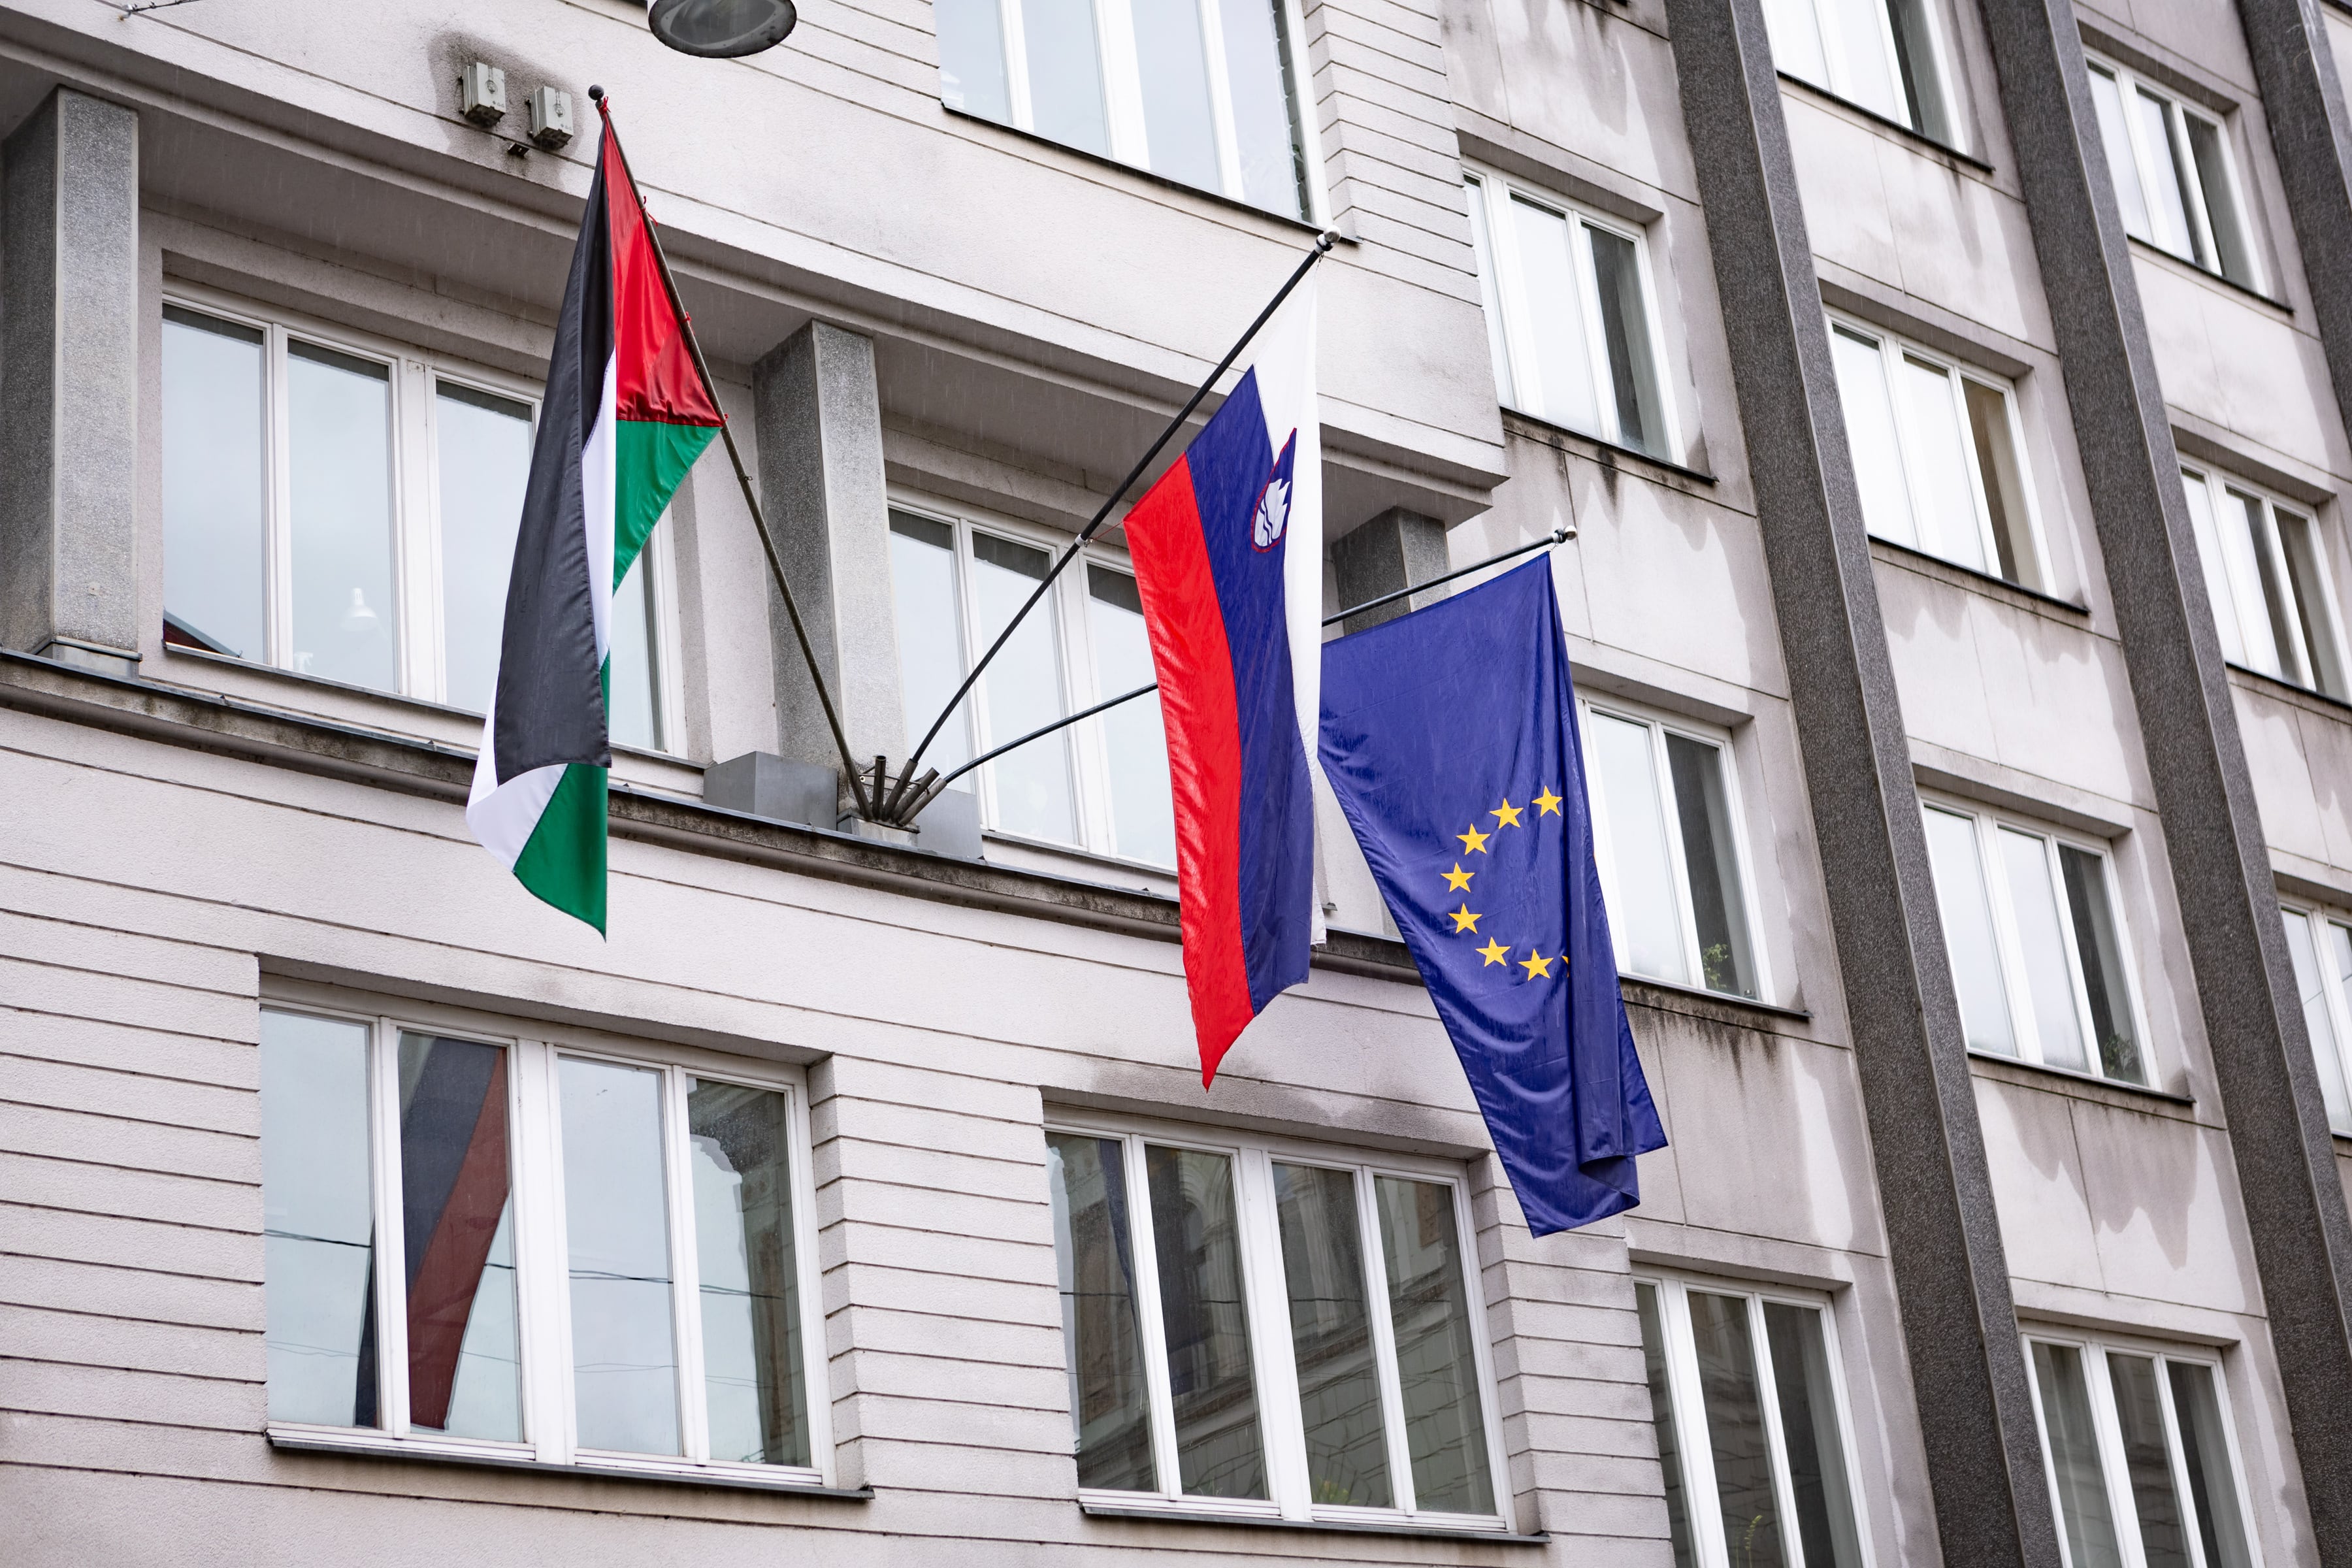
{"x":1948,"y":401}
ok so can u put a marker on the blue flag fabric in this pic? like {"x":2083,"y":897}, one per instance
{"x":1450,"y":736}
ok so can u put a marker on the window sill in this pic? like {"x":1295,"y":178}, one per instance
{"x":1562,"y":436}
{"x":1672,"y":998}
{"x":306,"y":1441}
{"x":1969,"y":577}
{"x":1918,"y":139}
{"x":2273,"y":685}
{"x":2202,"y":275}
{"x":2032,"y":1075}
{"x":1177,"y":1514}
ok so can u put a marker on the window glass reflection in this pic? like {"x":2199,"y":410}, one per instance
{"x":1437,"y":1365}
{"x":1718,"y":904}
{"x":623,"y":1351}
{"x":1176,"y":124}
{"x":931,"y":636}
{"x":1023,"y":685}
{"x":632,"y":709}
{"x":1143,"y":819}
{"x":1562,"y":353}
{"x":1967,"y":912}
{"x":1734,"y":1422}
{"x":1808,"y":1436}
{"x":317,"y":1221}
{"x":1642,"y":919}
{"x":1102,"y":1333}
{"x":1331,"y":1335}
{"x":338,"y":420}
{"x":214,"y":517}
{"x":1662,"y":1417}
{"x":1266,"y":119}
{"x":2073,"y":1448}
{"x":2205,"y":1458}
{"x":1219,"y":1451}
{"x":749,"y":1285}
{"x":2042,"y":947}
{"x":482,"y":445}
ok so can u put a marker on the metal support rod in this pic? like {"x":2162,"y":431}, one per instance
{"x":926,"y":791}
{"x":1323,"y":243}
{"x":868,"y":804}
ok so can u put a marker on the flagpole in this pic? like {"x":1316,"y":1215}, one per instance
{"x":1323,"y":243}
{"x":867,"y":806}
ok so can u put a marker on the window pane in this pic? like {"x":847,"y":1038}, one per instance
{"x":1489,"y":296}
{"x":339,"y":419}
{"x":1066,"y":94}
{"x":2236,"y":261}
{"x":317,"y":1221}
{"x":750,"y":1282}
{"x":2148,"y":1461}
{"x":1936,"y":452}
{"x":1643,"y":918}
{"x":1102,"y":1335}
{"x":1267,"y":132}
{"x":2205,"y":1456}
{"x":1916,"y":64}
{"x":1024,"y":691}
{"x":1967,"y":931}
{"x":972,"y":58}
{"x":1331,"y":1334}
{"x":2325,"y":1047}
{"x":1143,"y":819}
{"x":2102,"y":956}
{"x":483,"y":446}
{"x":2212,"y":556}
{"x":2004,"y":485}
{"x":1710,"y":855}
{"x":1176,"y":91}
{"x":457,"y":1209}
{"x":2073,"y":1448}
{"x":213,"y":511}
{"x":1662,"y":1415}
{"x":1563,"y":359}
{"x":1734,"y":1425}
{"x":1810,"y":1437}
{"x":2278,"y":593}
{"x":2306,"y":588}
{"x":2108,"y":98}
{"x":1870,"y":434}
{"x":2168,"y":203}
{"x":1625,"y":324}
{"x":624,"y":1352}
{"x":1438,"y":1360}
{"x":1795,"y":38}
{"x":2041,"y":947}
{"x":931,"y":636}
{"x":633,"y":712}
{"x":1197,"y":1240}
{"x":1859,"y":27}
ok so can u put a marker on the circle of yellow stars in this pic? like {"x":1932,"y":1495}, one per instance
{"x":1466,"y":919}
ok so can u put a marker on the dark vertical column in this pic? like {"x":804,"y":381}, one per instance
{"x":2189,"y":728}
{"x":1967,"y":1368}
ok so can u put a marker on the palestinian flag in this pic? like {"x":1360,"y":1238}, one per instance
{"x":625,"y":416}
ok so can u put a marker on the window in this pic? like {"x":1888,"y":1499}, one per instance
{"x":1745,"y":1391}
{"x":2038,"y":952}
{"x":1884,"y":54}
{"x":1202,"y":91}
{"x":1665,"y":833}
{"x":348,"y":510}
{"x":1271,"y":1331}
{"x":2140,"y":1457}
{"x":2264,"y":576}
{"x":1101,"y":785}
{"x":2173,"y":175}
{"x":602,"y":1255}
{"x":1938,"y":455}
{"x":1567,"y":315}
{"x":2321,"y":947}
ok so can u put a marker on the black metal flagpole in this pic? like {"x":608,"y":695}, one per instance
{"x":928,"y":791}
{"x":930,"y":785}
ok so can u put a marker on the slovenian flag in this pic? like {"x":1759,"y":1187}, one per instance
{"x":1228,"y":551}
{"x":626,"y":414}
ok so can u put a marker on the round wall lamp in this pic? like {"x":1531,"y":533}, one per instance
{"x":720,"y":30}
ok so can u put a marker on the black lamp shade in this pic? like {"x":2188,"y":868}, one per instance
{"x":721,"y":29}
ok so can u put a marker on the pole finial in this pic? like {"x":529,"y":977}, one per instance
{"x":595,"y":93}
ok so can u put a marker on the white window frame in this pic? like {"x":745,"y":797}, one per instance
{"x":542,"y":1298}
{"x":1273,"y":1357}
{"x":1122,"y":84}
{"x":1892,"y":347}
{"x":1840,"y":69}
{"x":1065,"y":603}
{"x":1700,"y":1496}
{"x":415,"y":615}
{"x":1517,"y":381}
{"x":2015,"y":985}
{"x":2246,"y":598}
{"x":2333,"y":992}
{"x":1660,"y":725}
{"x":2113,"y":1473}
{"x":2200,"y":218}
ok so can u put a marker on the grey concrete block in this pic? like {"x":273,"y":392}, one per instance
{"x":779,"y":788}
{"x":1395,"y":550}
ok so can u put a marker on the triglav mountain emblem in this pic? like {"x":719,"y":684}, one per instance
{"x":1272,"y":515}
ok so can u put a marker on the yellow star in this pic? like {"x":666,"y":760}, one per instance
{"x":1547,"y":804}
{"x":1494,"y":951}
{"x":1462,"y":919}
{"x":1473,"y":842}
{"x":1457,"y":880}
{"x":1508,"y":813}
{"x":1536,"y":965}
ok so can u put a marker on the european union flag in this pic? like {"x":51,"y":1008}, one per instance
{"x":1450,"y":735}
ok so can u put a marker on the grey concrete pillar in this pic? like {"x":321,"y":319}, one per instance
{"x":1960,"y":1329}
{"x":69,"y":384}
{"x":819,"y":418}
{"x":1394,"y":551}
{"x":2285,"y":1161}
